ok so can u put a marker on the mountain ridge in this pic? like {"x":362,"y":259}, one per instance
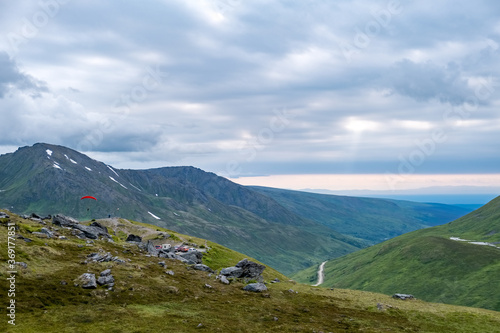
{"x":50,"y":179}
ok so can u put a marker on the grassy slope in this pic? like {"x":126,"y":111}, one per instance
{"x":370,"y":219}
{"x":187,"y":199}
{"x":146,"y":299}
{"x":428,"y":264}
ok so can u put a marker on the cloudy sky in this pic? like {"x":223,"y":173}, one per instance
{"x":300,"y":93}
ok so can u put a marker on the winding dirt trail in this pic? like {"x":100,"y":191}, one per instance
{"x":320,"y":274}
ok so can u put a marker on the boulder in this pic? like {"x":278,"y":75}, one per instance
{"x":46,"y":231}
{"x":403,"y":296}
{"x":223,"y":279}
{"x":244,"y":269}
{"x":231,"y":272}
{"x":105,"y":272}
{"x":191,"y":257}
{"x":4,"y":215}
{"x":87,"y":281}
{"x":255,"y":287}
{"x":250,"y":269}
{"x":134,"y":238}
{"x":106,"y":280}
{"x":93,"y":231}
{"x":64,"y":221}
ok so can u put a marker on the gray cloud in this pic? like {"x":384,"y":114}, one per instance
{"x":427,"y":81}
{"x":231,"y":67}
{"x":12,"y":78}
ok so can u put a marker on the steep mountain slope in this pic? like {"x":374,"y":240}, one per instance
{"x":152,"y":294}
{"x":50,"y":179}
{"x":456,"y":263}
{"x":373,"y":220}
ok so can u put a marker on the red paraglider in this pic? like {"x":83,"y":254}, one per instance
{"x":88,"y":197}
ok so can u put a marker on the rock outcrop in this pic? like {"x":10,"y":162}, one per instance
{"x":246,"y":269}
{"x":86,"y":281}
{"x":92,"y":231}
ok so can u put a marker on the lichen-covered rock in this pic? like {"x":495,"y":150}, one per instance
{"x":255,"y":287}
{"x":87,"y":281}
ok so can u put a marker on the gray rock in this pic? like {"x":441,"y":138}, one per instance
{"x":64,"y":221}
{"x":134,"y":238}
{"x":223,"y":279}
{"x":162,"y":264}
{"x":93,"y":231}
{"x":246,"y":269}
{"x":255,"y":287}
{"x":275,"y":280}
{"x":201,"y":267}
{"x":403,"y":296}
{"x":105,"y":280}
{"x":170,"y":273}
{"x":87,"y":281}
{"x":106,"y":272}
{"x":250,"y":269}
{"x":235,"y":272}
{"x":191,"y":257}
{"x":103,"y":257}
{"x":49,"y":233}
{"x":150,"y":247}
{"x":4,"y":215}
{"x":168,"y":255}
{"x":22,"y":264}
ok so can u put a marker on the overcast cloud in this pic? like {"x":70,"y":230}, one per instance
{"x":257,"y":87}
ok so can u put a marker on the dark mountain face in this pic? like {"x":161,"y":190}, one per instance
{"x":50,"y":179}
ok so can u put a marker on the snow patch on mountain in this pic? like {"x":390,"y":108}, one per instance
{"x":153,"y":215}
{"x":49,"y":152}
{"x":118,"y":182}
{"x":110,"y":168}
{"x":89,"y":169}
{"x":472,"y":242}
{"x":71,"y":160}
{"x":55,"y":165}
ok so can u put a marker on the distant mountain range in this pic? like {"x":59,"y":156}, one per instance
{"x":456,"y":263}
{"x":373,"y":220}
{"x":50,"y":179}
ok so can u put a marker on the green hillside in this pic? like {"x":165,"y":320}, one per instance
{"x":152,"y":294}
{"x":369,"y":219}
{"x":430,"y":263}
{"x":50,"y":179}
